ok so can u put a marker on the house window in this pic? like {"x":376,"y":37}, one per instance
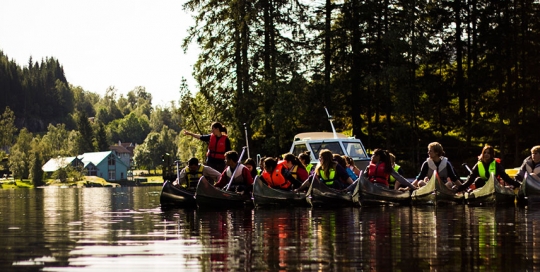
{"x":112,"y":160}
{"x":92,"y":170}
{"x":112,"y":175}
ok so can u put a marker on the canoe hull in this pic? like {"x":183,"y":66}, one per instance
{"x":435,"y":192}
{"x":372,"y":195}
{"x":529,"y":192}
{"x":266,"y":196}
{"x":492,"y":193}
{"x":209,"y":196}
{"x":173,"y":196}
{"x":320,"y":195}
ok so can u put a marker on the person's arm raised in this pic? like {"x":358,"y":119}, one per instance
{"x":197,"y":136}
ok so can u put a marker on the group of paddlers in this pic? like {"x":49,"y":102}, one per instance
{"x":290,"y":172}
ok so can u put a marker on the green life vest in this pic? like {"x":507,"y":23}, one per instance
{"x":329,"y":181}
{"x":482,"y":170}
{"x":392,"y":180}
{"x":308,"y":167}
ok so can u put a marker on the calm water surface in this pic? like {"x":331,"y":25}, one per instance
{"x":125,"y":229}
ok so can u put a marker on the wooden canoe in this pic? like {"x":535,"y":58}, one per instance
{"x":529,"y":192}
{"x":173,"y":196}
{"x":263,"y":195}
{"x":492,"y":193}
{"x":435,"y":192}
{"x":209,"y":196}
{"x":320,"y":195}
{"x":371,"y":194}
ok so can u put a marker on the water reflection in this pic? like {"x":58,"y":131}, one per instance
{"x":124,"y":228}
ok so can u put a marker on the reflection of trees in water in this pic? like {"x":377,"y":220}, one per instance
{"x":62,"y":227}
{"x":226,"y":239}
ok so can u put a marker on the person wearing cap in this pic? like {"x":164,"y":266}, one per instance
{"x":193,"y":172}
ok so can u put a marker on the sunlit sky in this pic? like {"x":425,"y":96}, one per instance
{"x":102,"y":43}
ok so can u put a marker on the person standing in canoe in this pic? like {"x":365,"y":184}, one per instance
{"x":242,"y":180}
{"x":436,"y":161}
{"x":531,"y":165}
{"x":481,"y":171}
{"x":380,"y":169}
{"x":218,"y":144}
{"x":189,"y":176}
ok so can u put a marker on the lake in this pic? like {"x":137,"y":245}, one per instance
{"x":106,"y":229}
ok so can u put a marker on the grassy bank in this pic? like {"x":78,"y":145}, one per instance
{"x":88,"y":181}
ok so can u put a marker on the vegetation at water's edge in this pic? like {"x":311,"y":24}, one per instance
{"x":398,"y":75}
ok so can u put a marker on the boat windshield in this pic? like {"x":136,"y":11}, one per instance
{"x":335,"y":147}
{"x":355,"y":150}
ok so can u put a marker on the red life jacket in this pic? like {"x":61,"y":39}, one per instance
{"x":276,"y":179}
{"x":376,"y":174}
{"x":216,"y":147}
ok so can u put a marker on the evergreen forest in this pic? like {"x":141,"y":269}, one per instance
{"x":396,"y":74}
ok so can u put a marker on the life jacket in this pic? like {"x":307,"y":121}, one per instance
{"x":216,"y":147}
{"x":193,"y":177}
{"x":238,"y":178}
{"x":391,"y":179}
{"x":482,"y":169}
{"x":308,"y":168}
{"x":329,"y":181}
{"x":276,"y":179}
{"x":441,"y":170}
{"x":376,"y":173}
{"x":293,"y":171}
{"x":531,"y":170}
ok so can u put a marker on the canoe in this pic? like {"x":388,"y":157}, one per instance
{"x":320,"y":195}
{"x":529,"y":192}
{"x":173,"y":196}
{"x":209,"y":196}
{"x":370,"y":194}
{"x":435,"y":192}
{"x":263,"y":195}
{"x":492,"y":193}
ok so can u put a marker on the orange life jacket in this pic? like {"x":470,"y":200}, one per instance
{"x":276,"y":179}
{"x":216,"y":147}
{"x":376,"y":173}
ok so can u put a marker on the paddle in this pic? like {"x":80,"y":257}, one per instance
{"x":247,"y":143}
{"x":194,"y":119}
{"x":237,"y":166}
{"x":466,"y":166}
{"x":177,"y":171}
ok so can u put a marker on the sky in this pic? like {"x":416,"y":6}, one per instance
{"x":104,"y":43}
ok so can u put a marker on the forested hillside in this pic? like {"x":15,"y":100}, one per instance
{"x":396,"y":74}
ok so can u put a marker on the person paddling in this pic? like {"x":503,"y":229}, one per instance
{"x":242,"y":180}
{"x":437,"y":162}
{"x":531,"y":165}
{"x":189,"y":176}
{"x":380,"y":169}
{"x":483,"y":168}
